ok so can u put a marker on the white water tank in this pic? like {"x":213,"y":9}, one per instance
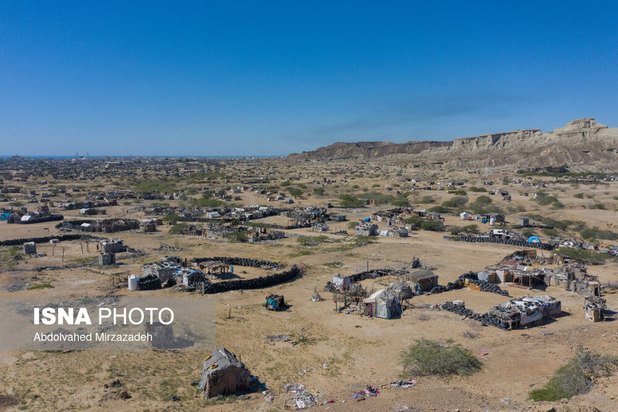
{"x":133,"y":282}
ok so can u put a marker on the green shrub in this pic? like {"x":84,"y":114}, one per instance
{"x":439,"y":209}
{"x":547,"y":200}
{"x":311,"y":240}
{"x":558,"y":224}
{"x":43,"y":285}
{"x":578,"y":195}
{"x":425,"y":224}
{"x":319,"y":191}
{"x":465,"y":229}
{"x":360,"y":241}
{"x":587,"y":256}
{"x":477,"y":189}
{"x":240,"y":236}
{"x":427,"y":200}
{"x":205,"y":175}
{"x":527,"y":233}
{"x":599,"y":206}
{"x":379,"y":198}
{"x":588,"y":233}
{"x":431,"y":358}
{"x":576,"y":377}
{"x":161,"y":186}
{"x":483,"y":200}
{"x":350,"y":201}
{"x":402,"y":200}
{"x":171,"y":217}
{"x":455,"y":202}
{"x":294,"y":192}
{"x":207,"y":201}
{"x":606,"y":234}
{"x":179,"y":229}
{"x":550,"y":232}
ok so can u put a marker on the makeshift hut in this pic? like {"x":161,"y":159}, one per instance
{"x":342,"y":282}
{"x":425,"y":279}
{"x":223,"y":374}
{"x":382,"y":304}
{"x":275,"y":302}
{"x":213,"y":267}
{"x":401,"y":289}
{"x":30,"y":248}
{"x":188,"y":277}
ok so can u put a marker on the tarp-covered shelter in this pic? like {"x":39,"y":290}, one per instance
{"x":342,"y":282}
{"x":223,"y":374}
{"x":401,"y":289}
{"x":382,"y":304}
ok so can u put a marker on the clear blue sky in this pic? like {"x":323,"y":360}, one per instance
{"x":270,"y":78}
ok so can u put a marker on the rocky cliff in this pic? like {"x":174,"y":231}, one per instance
{"x":581,"y":145}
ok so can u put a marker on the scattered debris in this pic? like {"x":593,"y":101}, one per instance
{"x":304,"y":399}
{"x":277,"y":338}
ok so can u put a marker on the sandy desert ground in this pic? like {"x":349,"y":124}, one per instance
{"x":341,"y":353}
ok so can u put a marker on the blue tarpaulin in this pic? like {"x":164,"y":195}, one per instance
{"x":534,"y":239}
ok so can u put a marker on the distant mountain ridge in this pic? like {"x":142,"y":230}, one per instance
{"x":582,"y":144}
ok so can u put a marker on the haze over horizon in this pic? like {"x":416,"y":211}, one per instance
{"x":243,"y":79}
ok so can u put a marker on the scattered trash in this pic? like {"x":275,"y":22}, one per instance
{"x":277,"y":338}
{"x":368,"y":391}
{"x":404,"y":384}
{"x":470,"y":335}
{"x":304,"y":399}
{"x":316,"y":296}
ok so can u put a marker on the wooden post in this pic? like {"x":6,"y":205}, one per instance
{"x":81,"y":245}
{"x":88,"y":247}
{"x":53,"y":248}
{"x":63,"y":253}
